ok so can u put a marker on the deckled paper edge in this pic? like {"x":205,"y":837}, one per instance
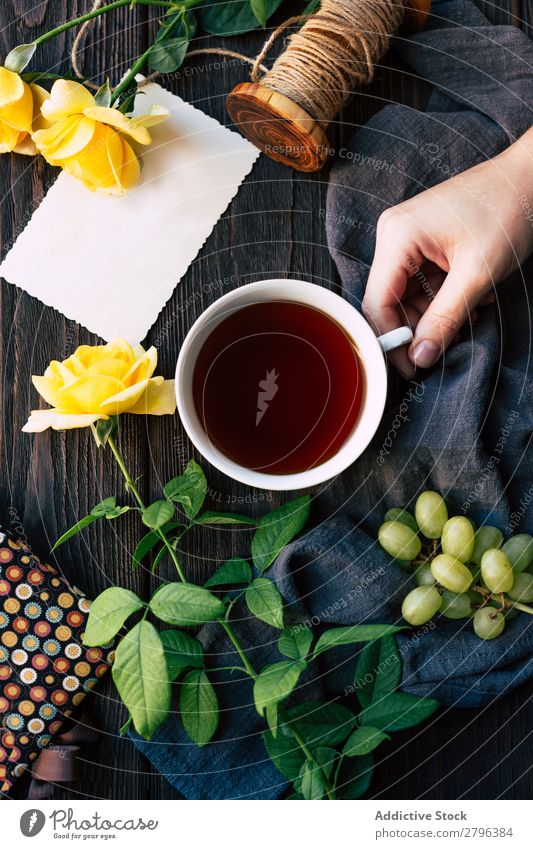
{"x":177,"y":282}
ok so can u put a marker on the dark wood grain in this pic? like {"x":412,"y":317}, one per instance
{"x":273,"y":227}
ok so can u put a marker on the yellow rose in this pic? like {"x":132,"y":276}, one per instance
{"x":100,"y":381}
{"x":87,"y":140}
{"x":20,"y":108}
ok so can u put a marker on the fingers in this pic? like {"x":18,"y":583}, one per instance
{"x":452,"y":306}
{"x":386,"y":288}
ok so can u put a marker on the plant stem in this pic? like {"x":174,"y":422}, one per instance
{"x":95,"y":13}
{"x":308,"y":753}
{"x":232,"y":636}
{"x":495,"y":597}
{"x":132,"y":73}
{"x":130,"y":483}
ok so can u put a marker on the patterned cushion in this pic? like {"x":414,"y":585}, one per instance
{"x":45,"y":671}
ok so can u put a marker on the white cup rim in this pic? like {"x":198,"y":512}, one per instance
{"x":353,"y":323}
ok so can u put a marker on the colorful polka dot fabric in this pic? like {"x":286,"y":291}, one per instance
{"x":45,"y":671}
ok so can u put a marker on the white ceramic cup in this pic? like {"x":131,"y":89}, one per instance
{"x":370,"y":349}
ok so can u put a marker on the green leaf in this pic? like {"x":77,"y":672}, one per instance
{"x":234,"y":571}
{"x":148,"y":542}
{"x":272,"y":718}
{"x":188,"y":489}
{"x":158,"y":514}
{"x":285,"y":754}
{"x":104,"y":428}
{"x":276,"y":682}
{"x":185,"y":605}
{"x":398,"y":711}
{"x":264,"y":601}
{"x":103,"y":508}
{"x":363,"y":740}
{"x":276,"y":529}
{"x":378,"y":671}
{"x":354,"y":776}
{"x":352,"y":634}
{"x":103,"y":97}
{"x":311,"y":6}
{"x":199,"y":707}
{"x":216,"y":518}
{"x":321,"y":723}
{"x":168,"y":55}
{"x":141,"y":678}
{"x":172,"y":41}
{"x":226,"y":17}
{"x":312,"y":783}
{"x":108,"y":509}
{"x":182,"y":652}
{"x":258,"y":8}
{"x":295,"y":641}
{"x":108,"y":613}
{"x":79,"y":526}
{"x":326,"y":757}
{"x":20,"y":57}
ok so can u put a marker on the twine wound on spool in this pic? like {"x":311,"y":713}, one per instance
{"x":336,"y":51}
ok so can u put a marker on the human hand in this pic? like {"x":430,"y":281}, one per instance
{"x":440,"y":254}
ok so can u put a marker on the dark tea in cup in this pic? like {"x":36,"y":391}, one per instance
{"x":278,"y":387}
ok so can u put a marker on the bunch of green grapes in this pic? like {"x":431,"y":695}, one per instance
{"x":461,"y":572}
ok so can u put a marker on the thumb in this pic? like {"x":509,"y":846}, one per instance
{"x":443,"y":319}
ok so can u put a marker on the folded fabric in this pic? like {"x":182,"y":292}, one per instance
{"x":462,"y":429}
{"x":45,"y":671}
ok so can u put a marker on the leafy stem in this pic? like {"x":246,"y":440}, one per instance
{"x":130,"y":483}
{"x":95,"y":13}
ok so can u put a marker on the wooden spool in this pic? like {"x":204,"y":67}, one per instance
{"x":280,"y":127}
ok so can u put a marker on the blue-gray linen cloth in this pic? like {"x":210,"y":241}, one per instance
{"x":464,"y":428}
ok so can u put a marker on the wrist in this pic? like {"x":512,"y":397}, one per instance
{"x":519,"y":166}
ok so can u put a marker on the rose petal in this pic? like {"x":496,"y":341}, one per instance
{"x":158,"y":400}
{"x":66,"y":98}
{"x":65,"y":139}
{"x":114,"y":118}
{"x":11,"y":87}
{"x":88,"y":393}
{"x":48,"y":388}
{"x":40,"y":420}
{"x":122,"y":402}
{"x":143,"y":368}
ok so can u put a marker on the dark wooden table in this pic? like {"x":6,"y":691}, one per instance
{"x":272,"y":229}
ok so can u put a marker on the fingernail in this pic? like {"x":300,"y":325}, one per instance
{"x":425,"y":353}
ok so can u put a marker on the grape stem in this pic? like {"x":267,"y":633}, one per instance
{"x":502,"y":598}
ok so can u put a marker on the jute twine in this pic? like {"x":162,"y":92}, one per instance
{"x":333,"y":53}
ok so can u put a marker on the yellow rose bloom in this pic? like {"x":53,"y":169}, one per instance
{"x":100,"y":381}
{"x":20,"y":108}
{"x":87,"y":140}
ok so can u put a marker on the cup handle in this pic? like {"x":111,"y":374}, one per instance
{"x":395,"y":339}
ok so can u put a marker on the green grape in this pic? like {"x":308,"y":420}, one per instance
{"x":451,"y":573}
{"x":404,"y":565}
{"x":455,"y":605}
{"x":424,"y":576}
{"x":420,"y":605}
{"x":431,"y":514}
{"x":458,"y":538}
{"x":399,"y":541}
{"x":488,"y":623}
{"x":522,"y":589}
{"x":486,"y":537}
{"x":496,"y":571}
{"x":519,"y":550}
{"x":398,"y":514}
